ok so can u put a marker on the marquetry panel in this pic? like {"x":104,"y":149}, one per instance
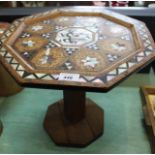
{"x":76,"y":47}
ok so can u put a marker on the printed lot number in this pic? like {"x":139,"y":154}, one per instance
{"x":69,"y":77}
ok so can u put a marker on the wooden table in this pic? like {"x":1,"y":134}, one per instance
{"x":76,"y":50}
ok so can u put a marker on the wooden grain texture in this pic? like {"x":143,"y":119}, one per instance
{"x":91,"y":112}
{"x":74,"y":108}
{"x":76,"y":134}
{"x":53,"y":124}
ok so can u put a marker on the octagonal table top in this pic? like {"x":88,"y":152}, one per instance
{"x":89,"y":48}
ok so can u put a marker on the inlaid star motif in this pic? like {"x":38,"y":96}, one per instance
{"x":47,"y":52}
{"x":29,"y":43}
{"x":44,"y":59}
{"x":119,"y":47}
{"x":25,"y":35}
{"x":88,"y":61}
{"x":37,"y":27}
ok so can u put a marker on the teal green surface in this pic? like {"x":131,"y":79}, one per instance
{"x":23,"y":114}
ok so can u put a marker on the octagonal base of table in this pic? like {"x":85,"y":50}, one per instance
{"x":66,"y":133}
{"x":1,"y":127}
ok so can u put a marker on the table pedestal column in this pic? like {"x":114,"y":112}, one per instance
{"x":74,"y":121}
{"x":1,"y":127}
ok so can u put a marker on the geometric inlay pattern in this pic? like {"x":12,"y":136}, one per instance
{"x":100,"y":50}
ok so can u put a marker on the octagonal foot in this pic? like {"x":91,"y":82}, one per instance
{"x":79,"y":134}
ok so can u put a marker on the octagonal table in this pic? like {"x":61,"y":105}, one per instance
{"x":76,"y":49}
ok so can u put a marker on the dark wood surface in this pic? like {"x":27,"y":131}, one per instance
{"x":74,"y":108}
{"x":68,"y":127}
